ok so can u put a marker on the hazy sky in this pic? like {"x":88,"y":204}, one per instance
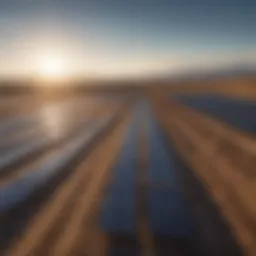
{"x":122,"y":37}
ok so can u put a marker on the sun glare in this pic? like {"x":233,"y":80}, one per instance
{"x":51,"y":68}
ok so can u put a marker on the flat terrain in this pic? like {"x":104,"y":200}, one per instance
{"x":132,"y":173}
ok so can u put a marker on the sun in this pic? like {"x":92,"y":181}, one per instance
{"x":50,"y":67}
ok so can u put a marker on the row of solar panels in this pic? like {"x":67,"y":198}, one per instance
{"x":238,"y":113}
{"x":38,"y":119}
{"x":24,"y":136}
{"x":167,"y":212}
{"x":18,"y":190}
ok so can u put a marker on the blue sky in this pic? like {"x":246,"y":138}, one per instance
{"x":127,"y":37}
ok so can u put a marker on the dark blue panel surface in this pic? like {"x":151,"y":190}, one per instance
{"x":160,"y":163}
{"x":118,"y":212}
{"x":239,"y":113}
{"x":168,"y":214}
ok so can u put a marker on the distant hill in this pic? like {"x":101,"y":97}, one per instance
{"x":235,"y":71}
